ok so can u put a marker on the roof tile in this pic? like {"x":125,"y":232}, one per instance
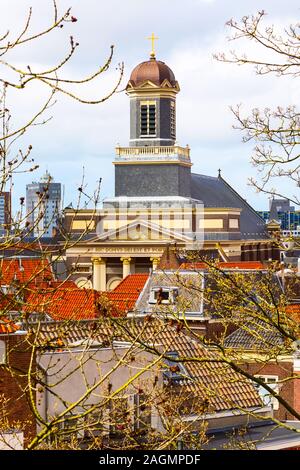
{"x":7,"y":326}
{"x":64,"y":304}
{"x":26,"y":271}
{"x":132,"y":284}
{"x":210,"y":379}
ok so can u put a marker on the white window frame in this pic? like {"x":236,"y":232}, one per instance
{"x":139,"y":415}
{"x":172,"y":291}
{"x":273,"y":385}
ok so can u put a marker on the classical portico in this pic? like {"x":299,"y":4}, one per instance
{"x":133,"y":241}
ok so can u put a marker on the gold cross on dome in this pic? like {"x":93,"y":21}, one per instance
{"x":152,"y":38}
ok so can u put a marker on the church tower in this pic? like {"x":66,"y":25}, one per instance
{"x":153,"y":164}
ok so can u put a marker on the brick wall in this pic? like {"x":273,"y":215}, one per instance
{"x":216,"y":329}
{"x":296,"y":384}
{"x":287,"y":389}
{"x":13,"y":384}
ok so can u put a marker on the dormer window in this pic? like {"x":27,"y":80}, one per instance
{"x":163,"y":295}
{"x":174,"y":370}
{"x":148,"y":118}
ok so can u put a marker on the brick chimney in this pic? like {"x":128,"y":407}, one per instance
{"x":169,"y":259}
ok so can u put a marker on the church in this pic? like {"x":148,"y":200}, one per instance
{"x":158,"y":200}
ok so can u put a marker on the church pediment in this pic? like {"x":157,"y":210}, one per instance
{"x":167,"y":84}
{"x":140,"y":230}
{"x":146,"y":84}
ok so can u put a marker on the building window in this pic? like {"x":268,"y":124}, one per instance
{"x":82,"y":267}
{"x":173,"y":120}
{"x":272,"y":382}
{"x":118,"y":416}
{"x":71,"y":426}
{"x":2,"y":352}
{"x":174,"y":372}
{"x":97,"y":423}
{"x":233,"y":223}
{"x":142,"y":412}
{"x":148,"y":118}
{"x":163,"y":295}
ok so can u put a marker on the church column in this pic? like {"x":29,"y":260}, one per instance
{"x":155,"y":263}
{"x":126,"y":266}
{"x":132,"y":266}
{"x":99,"y":274}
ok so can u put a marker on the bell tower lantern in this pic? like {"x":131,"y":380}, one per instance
{"x":153,"y":164}
{"x":152,"y":89}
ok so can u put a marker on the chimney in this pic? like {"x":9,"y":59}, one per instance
{"x":21,"y":268}
{"x":282,"y":274}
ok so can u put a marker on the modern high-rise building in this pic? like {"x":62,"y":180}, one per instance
{"x":43,"y":205}
{"x":282,"y":212}
{"x":5,"y":211}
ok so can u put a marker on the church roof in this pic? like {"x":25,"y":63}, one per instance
{"x":153,"y":70}
{"x":216,"y":192}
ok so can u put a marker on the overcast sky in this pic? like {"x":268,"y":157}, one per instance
{"x":189,"y":33}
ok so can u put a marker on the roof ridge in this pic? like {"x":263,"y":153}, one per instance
{"x":240,"y":197}
{"x":205,"y":176}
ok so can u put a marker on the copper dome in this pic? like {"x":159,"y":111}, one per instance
{"x":154,"y":71}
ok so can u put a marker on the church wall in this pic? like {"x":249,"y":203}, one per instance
{"x":148,"y":180}
{"x":165,"y":118}
{"x":134,"y":120}
{"x":184,"y":182}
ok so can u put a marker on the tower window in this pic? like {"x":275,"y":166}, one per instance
{"x":173,"y":120}
{"x":148,"y":118}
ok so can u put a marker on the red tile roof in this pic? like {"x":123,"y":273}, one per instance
{"x":64,"y":301}
{"x":132,"y":284}
{"x":293,"y":308}
{"x":120,"y":303}
{"x":225,"y":265}
{"x":7,"y":327}
{"x":25,"y":270}
{"x":123,"y":298}
{"x":293,"y":311}
{"x":57,"y":285}
{"x":65,"y":304}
